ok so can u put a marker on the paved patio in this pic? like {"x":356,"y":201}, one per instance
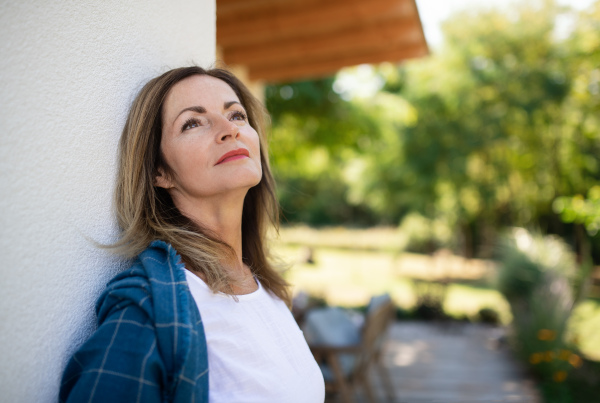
{"x":451,"y":363}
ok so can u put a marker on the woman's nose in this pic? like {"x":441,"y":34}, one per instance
{"x":227,"y":129}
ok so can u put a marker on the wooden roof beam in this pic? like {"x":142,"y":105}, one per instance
{"x":326,"y":17}
{"x":317,"y":68}
{"x":229,"y":8}
{"x":363,"y":38}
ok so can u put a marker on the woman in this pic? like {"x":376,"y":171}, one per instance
{"x":201,"y":315}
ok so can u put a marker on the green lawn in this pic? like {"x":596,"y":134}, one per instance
{"x":351,"y":277}
{"x":352,"y":265}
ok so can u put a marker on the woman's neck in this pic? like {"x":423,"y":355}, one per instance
{"x":223,"y":217}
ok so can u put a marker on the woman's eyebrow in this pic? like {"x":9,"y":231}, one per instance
{"x":201,"y":109}
{"x":228,"y":105}
{"x":197,"y":109}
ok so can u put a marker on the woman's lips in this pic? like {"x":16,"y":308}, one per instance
{"x":233,"y":155}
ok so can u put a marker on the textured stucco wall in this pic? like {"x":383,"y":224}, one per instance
{"x":68,"y":71}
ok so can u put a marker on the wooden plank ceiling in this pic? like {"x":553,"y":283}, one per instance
{"x":287,"y":40}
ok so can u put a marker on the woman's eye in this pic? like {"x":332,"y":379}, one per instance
{"x":190,"y":124}
{"x":239,"y":116}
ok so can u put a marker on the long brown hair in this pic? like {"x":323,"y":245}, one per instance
{"x":146,"y":212}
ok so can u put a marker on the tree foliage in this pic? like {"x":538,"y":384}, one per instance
{"x":314,"y":135}
{"x":488,"y":132}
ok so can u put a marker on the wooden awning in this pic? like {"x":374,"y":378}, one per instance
{"x":287,"y":40}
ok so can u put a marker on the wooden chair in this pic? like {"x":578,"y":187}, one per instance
{"x":344,"y":379}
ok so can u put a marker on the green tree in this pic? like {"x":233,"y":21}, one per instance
{"x":314,"y":133}
{"x":493,"y":142}
{"x":485,"y":133}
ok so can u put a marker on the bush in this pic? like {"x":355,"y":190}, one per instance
{"x":537,"y":276}
{"x":530,"y":262}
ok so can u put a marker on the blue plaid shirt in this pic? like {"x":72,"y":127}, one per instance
{"x":150,"y":344}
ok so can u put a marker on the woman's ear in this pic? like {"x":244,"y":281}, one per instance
{"x":161,"y":180}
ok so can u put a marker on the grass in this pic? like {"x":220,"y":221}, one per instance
{"x":350,"y":277}
{"x":352,"y":265}
{"x":380,"y":238}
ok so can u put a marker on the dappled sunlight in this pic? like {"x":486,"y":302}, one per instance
{"x":406,"y":354}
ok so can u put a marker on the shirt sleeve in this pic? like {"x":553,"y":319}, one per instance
{"x":119,"y":363}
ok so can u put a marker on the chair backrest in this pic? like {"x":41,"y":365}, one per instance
{"x":331,"y":327}
{"x":379,"y":316}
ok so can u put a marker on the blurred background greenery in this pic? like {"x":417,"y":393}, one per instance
{"x":499,"y":127}
{"x":421,"y":174}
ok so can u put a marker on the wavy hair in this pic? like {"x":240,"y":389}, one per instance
{"x":146,"y":212}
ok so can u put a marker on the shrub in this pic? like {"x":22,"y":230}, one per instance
{"x":537,"y":276}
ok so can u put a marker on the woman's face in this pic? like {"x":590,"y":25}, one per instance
{"x":207,"y":141}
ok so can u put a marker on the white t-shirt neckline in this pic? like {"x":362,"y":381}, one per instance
{"x":191,"y":276}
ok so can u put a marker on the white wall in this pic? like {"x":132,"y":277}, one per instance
{"x":68,"y":72}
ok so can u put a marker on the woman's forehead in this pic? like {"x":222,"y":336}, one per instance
{"x":198,"y":90}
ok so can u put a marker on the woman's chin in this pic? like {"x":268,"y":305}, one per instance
{"x":247,"y":177}
{"x":241,"y":182}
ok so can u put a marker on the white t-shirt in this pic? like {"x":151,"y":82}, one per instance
{"x":256,"y":352}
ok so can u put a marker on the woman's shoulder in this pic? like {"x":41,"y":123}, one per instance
{"x":154,"y":274}
{"x":145,"y":323}
{"x":158,"y":261}
{"x":159,"y":252}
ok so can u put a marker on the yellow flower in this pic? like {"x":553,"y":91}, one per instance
{"x":564,"y":355}
{"x":546,"y":335}
{"x":559,"y":376}
{"x":536,"y":358}
{"x":575,"y":360}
